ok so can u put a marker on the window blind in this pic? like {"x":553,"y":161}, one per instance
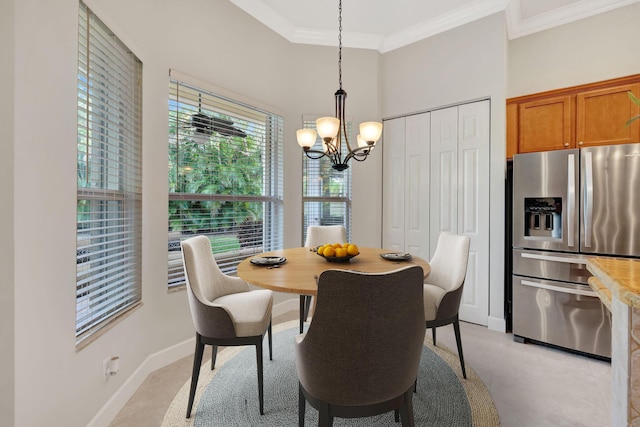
{"x":225,"y":176}
{"x":109,"y":202}
{"x":326,"y":192}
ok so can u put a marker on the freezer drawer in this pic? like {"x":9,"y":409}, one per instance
{"x":562,"y":314}
{"x":560,"y":266}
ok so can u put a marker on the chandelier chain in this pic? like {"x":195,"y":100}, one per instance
{"x":340,"y":43}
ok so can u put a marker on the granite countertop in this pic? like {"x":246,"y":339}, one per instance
{"x":618,"y":277}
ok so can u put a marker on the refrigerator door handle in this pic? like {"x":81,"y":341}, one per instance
{"x":571,"y":196}
{"x":588,"y":198}
{"x":588,"y":293}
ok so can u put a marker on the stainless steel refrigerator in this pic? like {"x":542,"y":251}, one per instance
{"x":569,"y":205}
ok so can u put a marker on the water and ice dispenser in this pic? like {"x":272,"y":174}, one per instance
{"x":543,"y":217}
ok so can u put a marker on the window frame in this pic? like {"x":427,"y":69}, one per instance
{"x":109,"y":177}
{"x":268,"y":232}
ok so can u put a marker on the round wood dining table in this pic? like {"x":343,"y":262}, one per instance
{"x":300,"y":272}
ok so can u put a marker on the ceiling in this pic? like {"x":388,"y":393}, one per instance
{"x":385,"y":25}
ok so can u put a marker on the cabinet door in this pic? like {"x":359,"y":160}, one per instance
{"x":416,"y":204}
{"x":546,"y":124}
{"x":601,"y":116}
{"x":393,"y":144}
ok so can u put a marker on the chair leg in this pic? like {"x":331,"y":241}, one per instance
{"x":302,"y":301}
{"x":307,"y":307}
{"x":197,"y":360}
{"x":305,"y":304}
{"x":302,"y":404}
{"x":396,"y":415}
{"x":406,"y":410}
{"x":456,"y":329}
{"x":260,"y":383}
{"x":270,"y":343}
{"x":324,"y":418}
{"x":214,"y":354}
{"x":433,"y":334}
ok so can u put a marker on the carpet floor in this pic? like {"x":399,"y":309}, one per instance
{"x":228,"y":396}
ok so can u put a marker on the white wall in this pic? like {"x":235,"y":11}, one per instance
{"x":7,"y":283}
{"x":209,"y":39}
{"x":459,"y":65}
{"x":598,"y":48}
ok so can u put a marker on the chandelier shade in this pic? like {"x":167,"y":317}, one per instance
{"x":333,"y":130}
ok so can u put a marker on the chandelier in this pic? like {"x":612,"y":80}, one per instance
{"x":332,"y":130}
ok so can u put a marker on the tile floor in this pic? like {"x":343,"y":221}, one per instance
{"x":532,"y":385}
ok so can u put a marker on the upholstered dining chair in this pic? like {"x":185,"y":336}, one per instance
{"x":445,"y":283}
{"x":361,"y":352}
{"x":318,"y":235}
{"x":322,"y":234}
{"x":224,"y":309}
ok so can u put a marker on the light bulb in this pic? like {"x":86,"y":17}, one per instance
{"x":327,"y":127}
{"x":306,"y":137}
{"x":371,"y":131}
{"x":361,"y":141}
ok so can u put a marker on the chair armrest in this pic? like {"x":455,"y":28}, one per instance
{"x":210,"y":319}
{"x":450,"y":304}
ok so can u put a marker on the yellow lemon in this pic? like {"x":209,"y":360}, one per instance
{"x":320,"y":250}
{"x":341,"y":252}
{"x":329,"y":251}
{"x":345,"y":245}
{"x":337,"y":245}
{"x":352,"y":250}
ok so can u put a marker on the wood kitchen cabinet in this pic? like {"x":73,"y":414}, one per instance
{"x":579,"y":116}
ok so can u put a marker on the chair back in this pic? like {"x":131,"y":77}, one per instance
{"x":205,"y":283}
{"x":322,"y":234}
{"x":449,"y":262}
{"x":365,"y":340}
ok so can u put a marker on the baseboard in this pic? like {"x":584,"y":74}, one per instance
{"x":497,"y":324}
{"x":159,"y":360}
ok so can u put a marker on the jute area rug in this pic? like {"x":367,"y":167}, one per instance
{"x":228,"y":395}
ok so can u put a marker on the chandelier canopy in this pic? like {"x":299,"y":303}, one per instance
{"x":332,"y":130}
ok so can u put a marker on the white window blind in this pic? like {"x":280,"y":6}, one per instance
{"x":225,"y":176}
{"x":326,"y":192}
{"x":108,"y":279}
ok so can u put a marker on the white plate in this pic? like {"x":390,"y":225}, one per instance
{"x":267,"y":260}
{"x":392,"y":256}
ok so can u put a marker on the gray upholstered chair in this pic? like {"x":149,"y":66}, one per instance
{"x":443,"y":290}
{"x":318,"y":235}
{"x":225,"y":311}
{"x":361,"y":352}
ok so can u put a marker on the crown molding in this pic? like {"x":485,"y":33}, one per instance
{"x":516,"y":25}
{"x":452,"y":19}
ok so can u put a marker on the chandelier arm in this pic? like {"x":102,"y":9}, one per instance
{"x":321,"y":154}
{"x":358,"y":154}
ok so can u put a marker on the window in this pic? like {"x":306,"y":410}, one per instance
{"x":326,"y":192}
{"x":225,"y":176}
{"x":109,"y":176}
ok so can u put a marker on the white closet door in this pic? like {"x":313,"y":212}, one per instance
{"x":444,"y":173}
{"x":460,"y":194}
{"x":416,"y":204}
{"x":473,"y":207}
{"x":393,"y":149}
